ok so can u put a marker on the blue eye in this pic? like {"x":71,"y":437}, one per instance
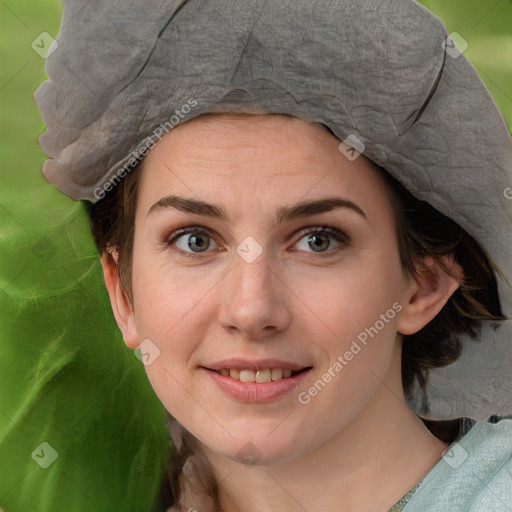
{"x":193,"y":240}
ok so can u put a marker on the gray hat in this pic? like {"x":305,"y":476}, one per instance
{"x":383,"y":75}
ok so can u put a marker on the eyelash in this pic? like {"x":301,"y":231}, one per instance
{"x":338,"y":235}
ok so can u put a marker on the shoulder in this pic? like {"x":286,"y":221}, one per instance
{"x":475,"y":473}
{"x":489,"y":440}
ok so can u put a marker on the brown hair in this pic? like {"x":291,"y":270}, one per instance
{"x":421,"y":231}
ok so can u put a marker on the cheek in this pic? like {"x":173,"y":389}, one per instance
{"x":174,"y":312}
{"x":360,"y":310}
{"x":168,"y":301}
{"x":359,"y":357}
{"x":167,"y":313}
{"x":354,"y":299}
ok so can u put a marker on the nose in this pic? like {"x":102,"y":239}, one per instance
{"x":255,"y":300}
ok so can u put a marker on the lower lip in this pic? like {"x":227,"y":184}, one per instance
{"x":257,"y":392}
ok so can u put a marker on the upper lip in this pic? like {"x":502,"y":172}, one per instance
{"x":262,"y":364}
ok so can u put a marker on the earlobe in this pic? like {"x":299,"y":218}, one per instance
{"x":428,"y":294}
{"x":121,"y":307}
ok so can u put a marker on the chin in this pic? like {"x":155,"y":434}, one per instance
{"x":259,"y":451}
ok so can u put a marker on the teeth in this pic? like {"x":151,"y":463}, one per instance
{"x":247,"y":375}
{"x":277,"y":373}
{"x":259,"y":376}
{"x":263,"y":376}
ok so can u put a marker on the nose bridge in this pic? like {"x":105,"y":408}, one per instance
{"x":254,"y":276}
{"x":255,"y":299}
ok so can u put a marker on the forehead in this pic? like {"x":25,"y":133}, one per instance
{"x":240,"y":136}
{"x":237,"y":158}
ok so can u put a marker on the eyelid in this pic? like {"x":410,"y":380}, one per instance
{"x":324,"y":228}
{"x":170,"y":239}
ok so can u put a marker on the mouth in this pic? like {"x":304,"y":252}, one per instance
{"x":264,"y":381}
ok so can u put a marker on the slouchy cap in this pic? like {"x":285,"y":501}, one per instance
{"x":383,"y":75}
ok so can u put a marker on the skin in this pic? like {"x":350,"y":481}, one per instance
{"x":356,"y":442}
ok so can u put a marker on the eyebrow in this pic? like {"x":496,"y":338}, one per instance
{"x":284,"y":214}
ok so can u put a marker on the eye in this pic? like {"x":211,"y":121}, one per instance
{"x":318,"y":239}
{"x":191,"y":240}
{"x":194,"y":240}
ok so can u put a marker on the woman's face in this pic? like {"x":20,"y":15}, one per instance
{"x":251,"y":286}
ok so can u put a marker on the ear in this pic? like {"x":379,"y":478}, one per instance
{"x":427,"y":294}
{"x":121,"y":307}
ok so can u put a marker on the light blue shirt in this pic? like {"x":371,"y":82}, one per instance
{"x":474,"y":475}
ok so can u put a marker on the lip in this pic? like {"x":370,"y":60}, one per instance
{"x":256,"y":392}
{"x":262,"y":364}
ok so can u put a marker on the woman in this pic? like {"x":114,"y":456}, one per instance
{"x":243,"y":154}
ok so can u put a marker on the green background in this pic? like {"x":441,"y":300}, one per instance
{"x":67,"y":378}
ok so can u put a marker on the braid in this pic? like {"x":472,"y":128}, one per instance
{"x":191,"y":477}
